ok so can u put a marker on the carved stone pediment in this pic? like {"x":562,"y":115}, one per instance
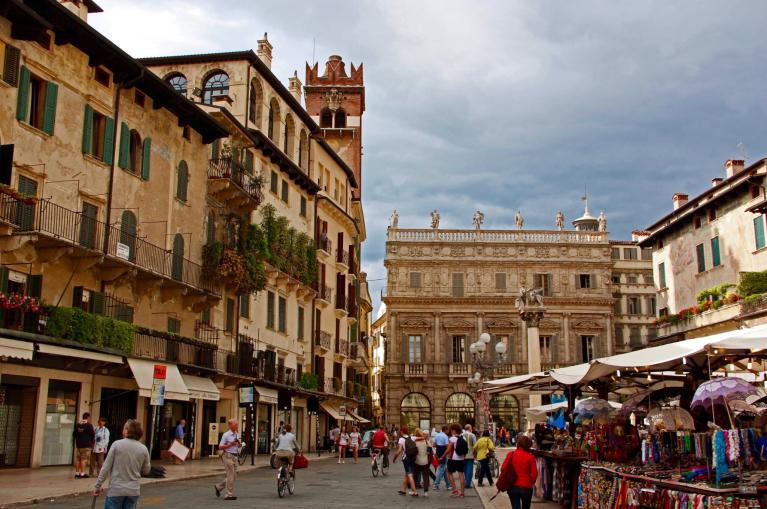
{"x":415,"y":323}
{"x":587,"y":325}
{"x":548,"y":324}
{"x":459,"y":325}
{"x":500,"y":323}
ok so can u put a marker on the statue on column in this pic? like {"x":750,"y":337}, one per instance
{"x":434,"y":219}
{"x":479,"y":218}
{"x":602,"y":221}
{"x":560,"y":221}
{"x":394,"y":219}
{"x":529,"y":297}
{"x":519,"y":220}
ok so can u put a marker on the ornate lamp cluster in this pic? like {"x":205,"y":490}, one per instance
{"x":477,"y":350}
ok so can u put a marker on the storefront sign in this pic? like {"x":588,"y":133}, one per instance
{"x":157,"y":397}
{"x":342,"y":410}
{"x":160,"y":371}
{"x":213,"y":433}
{"x":247,"y":395}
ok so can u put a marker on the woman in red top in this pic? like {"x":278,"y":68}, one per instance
{"x":523,"y":463}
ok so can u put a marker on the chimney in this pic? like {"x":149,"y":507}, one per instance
{"x":734,"y":166}
{"x":716,"y":181}
{"x":295,"y":86}
{"x":679,"y":200}
{"x":265,"y":51}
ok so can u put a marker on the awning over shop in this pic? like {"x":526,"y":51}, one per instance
{"x":268,"y":396}
{"x":80,"y":354}
{"x":357,"y":417}
{"x":143,"y":371}
{"x":335,"y":413}
{"x":201,"y":388}
{"x":16,"y":349}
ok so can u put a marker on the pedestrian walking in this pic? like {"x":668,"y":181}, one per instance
{"x":471,"y":440}
{"x":422,"y":469}
{"x":230,"y":445}
{"x":405,"y":451}
{"x":456,"y":455}
{"x":354,"y":442}
{"x":126,"y":462}
{"x":179,"y":435}
{"x":333,"y":435}
{"x":523,"y":463}
{"x":100,"y":445}
{"x":85,"y":437}
{"x":343,"y":443}
{"x":440,"y":446}
{"x":483,"y":451}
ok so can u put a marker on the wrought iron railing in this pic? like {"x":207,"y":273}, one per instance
{"x":206,"y":332}
{"x":228,"y":168}
{"x":325,"y":244}
{"x":169,"y":347}
{"x":322,"y":339}
{"x":342,"y":347}
{"x":342,"y":256}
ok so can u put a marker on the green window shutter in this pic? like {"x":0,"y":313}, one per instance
{"x":109,"y":140}
{"x":49,"y":115}
{"x":123,"y":159}
{"x":22,"y":107}
{"x":97,"y":303}
{"x":245,"y":306}
{"x":759,"y":232}
{"x":701,"y":255}
{"x":35,"y":286}
{"x":662,"y":275}
{"x":715,"y":256}
{"x":77,"y":297}
{"x":146,"y":153}
{"x":3,"y":288}
{"x":214,"y":147}
{"x":230,"y":315}
{"x":88,"y":130}
{"x":183,"y":181}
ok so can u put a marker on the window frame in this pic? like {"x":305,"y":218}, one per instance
{"x":270,"y":310}
{"x":211,"y":90}
{"x":716,"y":255}
{"x":700,"y":257}
{"x":415,"y":348}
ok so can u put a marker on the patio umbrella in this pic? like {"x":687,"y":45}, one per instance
{"x":738,"y":405}
{"x":673,"y":418}
{"x":590,"y":407}
{"x":721,"y":390}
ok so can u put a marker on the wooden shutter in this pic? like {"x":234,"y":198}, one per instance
{"x":97,"y":303}
{"x":183,"y":180}
{"x":229,"y":315}
{"x":177,"y":258}
{"x":88,"y":225}
{"x":25,"y":212}
{"x":22,"y":106}
{"x":35,"y":286}
{"x":77,"y":297}
{"x":146,"y":153}
{"x":109,"y":140}
{"x":49,"y":115}
{"x":405,"y":349}
{"x":11,"y":68}
{"x":549,"y":290}
{"x":6,"y":164}
{"x":88,"y":130}
{"x":123,"y":158}
{"x":214,"y":148}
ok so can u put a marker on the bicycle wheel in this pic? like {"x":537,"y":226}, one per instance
{"x":385,"y":466}
{"x":273,"y":461}
{"x":374,"y":467}
{"x":243,"y":455}
{"x":281,"y":486}
{"x":291,"y":484}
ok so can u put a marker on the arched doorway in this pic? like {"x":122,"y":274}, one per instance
{"x":415,"y":411}
{"x":505,"y":411}
{"x":459,"y":408}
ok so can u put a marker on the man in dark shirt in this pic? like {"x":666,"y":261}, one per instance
{"x":85,"y":436}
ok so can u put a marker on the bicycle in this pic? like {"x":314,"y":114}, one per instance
{"x":379,"y":463}
{"x":243,"y":454}
{"x":495,"y":468}
{"x":286,"y":482}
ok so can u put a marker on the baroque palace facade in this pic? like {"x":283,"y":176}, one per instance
{"x":187,"y":211}
{"x":446,"y":287}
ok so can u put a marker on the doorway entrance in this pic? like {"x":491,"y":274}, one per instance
{"x":117,"y":406}
{"x":18,"y":400}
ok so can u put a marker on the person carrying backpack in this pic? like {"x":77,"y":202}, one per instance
{"x":457,"y":449}
{"x":518,"y":474}
{"x":407,"y":450}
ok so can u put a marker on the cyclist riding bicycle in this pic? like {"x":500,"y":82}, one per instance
{"x":379,"y":443}
{"x":287,"y":446}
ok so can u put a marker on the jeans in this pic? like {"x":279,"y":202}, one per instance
{"x":121,"y":503}
{"x":484,"y":471}
{"x":468,"y":471}
{"x":442,"y":474}
{"x":520,"y":497}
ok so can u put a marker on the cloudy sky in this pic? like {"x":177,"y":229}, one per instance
{"x":499,"y":105}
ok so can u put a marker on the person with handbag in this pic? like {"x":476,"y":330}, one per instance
{"x":518,"y":474}
{"x":483,"y":451}
{"x":287,"y":447}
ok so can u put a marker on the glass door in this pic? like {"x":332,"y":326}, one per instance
{"x":60,"y":419}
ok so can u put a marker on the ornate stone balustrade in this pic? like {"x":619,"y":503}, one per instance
{"x":498,"y":236}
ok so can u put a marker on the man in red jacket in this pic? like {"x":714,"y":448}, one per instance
{"x":523,"y":463}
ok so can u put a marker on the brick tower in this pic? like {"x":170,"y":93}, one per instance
{"x":336,"y":101}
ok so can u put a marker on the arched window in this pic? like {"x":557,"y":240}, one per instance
{"x":182,"y":183}
{"x":273,"y":129}
{"x":177,"y":258}
{"x":178,"y":81}
{"x":136,"y":151}
{"x":216,"y":84}
{"x":459,"y":408}
{"x":303,"y":151}
{"x":326,"y":118}
{"x":211,"y":228}
{"x":415,"y":411}
{"x":256,"y":100}
{"x":340,"y":118}
{"x":289,"y":138}
{"x":505,"y":411}
{"x":128,"y":233}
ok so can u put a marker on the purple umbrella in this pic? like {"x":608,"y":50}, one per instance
{"x":727,"y":388}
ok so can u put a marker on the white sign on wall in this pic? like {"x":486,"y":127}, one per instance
{"x":123,"y":251}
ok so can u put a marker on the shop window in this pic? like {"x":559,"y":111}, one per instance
{"x":61,"y":416}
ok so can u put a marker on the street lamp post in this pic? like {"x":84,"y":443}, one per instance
{"x":485,"y":368}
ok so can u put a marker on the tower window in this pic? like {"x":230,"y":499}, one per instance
{"x":340,"y":118}
{"x":326,"y":118}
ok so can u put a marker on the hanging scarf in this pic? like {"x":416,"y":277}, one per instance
{"x":720,"y":455}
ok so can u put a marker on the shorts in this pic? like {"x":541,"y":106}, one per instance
{"x":288,"y":455}
{"x":408,"y":464}
{"x":454,"y":466}
{"x":83,"y":454}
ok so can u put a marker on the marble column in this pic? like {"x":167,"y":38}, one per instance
{"x":532,"y":318}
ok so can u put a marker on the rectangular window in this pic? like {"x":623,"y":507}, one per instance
{"x":282,"y":315}
{"x":414,"y":349}
{"x":759,"y":231}
{"x":544,"y":281}
{"x":711,"y":214}
{"x":587,"y":348}
{"x":285,"y":191}
{"x":139,"y":98}
{"x":36,"y":104}
{"x":303,"y":206}
{"x":618,"y":306}
{"x":631,"y":279}
{"x":545,"y":344}
{"x":229,"y":318}
{"x":647,"y":254}
{"x":415,"y":280}
{"x":635,"y":336}
{"x":186,"y":132}
{"x":174,"y":325}
{"x":270,"y":310}
{"x":300,"y":333}
{"x":616,"y":254}
{"x":102,"y":76}
{"x":584,"y":281}
{"x":97,"y":135}
{"x":696,"y":221}
{"x":619,"y":339}
{"x":205,"y":317}
{"x":245,"y":306}
{"x":459,"y":349}
{"x":651,"y":306}
{"x":500,"y":280}
{"x":635,"y":306}
{"x":629,"y":253}
{"x":662,"y":275}
{"x":616,"y":279}
{"x":273,"y":184}
{"x":700,"y":253}
{"x":457,"y":284}
{"x":716,"y":259}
